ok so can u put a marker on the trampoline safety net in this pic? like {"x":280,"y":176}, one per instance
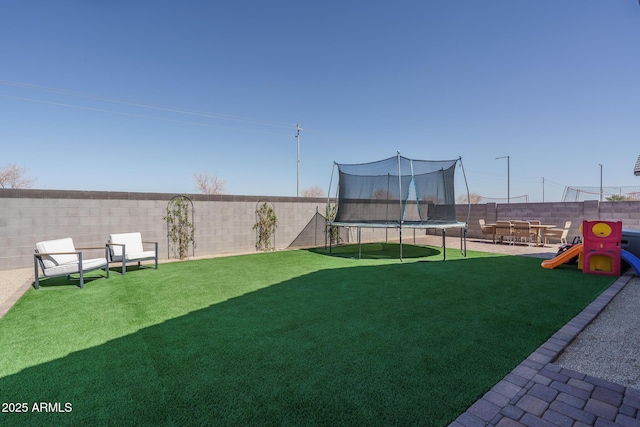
{"x":397,"y":190}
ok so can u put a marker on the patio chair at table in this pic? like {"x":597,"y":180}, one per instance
{"x":61,"y":258}
{"x":503,"y":229}
{"x":559,"y":234}
{"x":129,"y":247}
{"x":534,"y":232}
{"x":486,"y":229}
{"x":522,"y":232}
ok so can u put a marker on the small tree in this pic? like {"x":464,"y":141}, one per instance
{"x":13,"y":176}
{"x":314,"y":191}
{"x":619,"y":198}
{"x":266,"y":223}
{"x":180,"y":229}
{"x":473,"y":199}
{"x":209,"y":184}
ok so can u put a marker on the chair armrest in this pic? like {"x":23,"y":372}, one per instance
{"x":41,"y":254}
{"x":109,"y":250}
{"x":155,"y":246}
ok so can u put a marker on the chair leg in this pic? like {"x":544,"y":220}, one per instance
{"x":36,"y":284}
{"x":81,"y":270}
{"x":156,"y":243}
{"x":124,"y":259}
{"x":106,"y":257}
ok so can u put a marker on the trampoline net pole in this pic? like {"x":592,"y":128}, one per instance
{"x":444,"y":244}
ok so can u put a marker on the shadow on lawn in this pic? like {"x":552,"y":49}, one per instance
{"x":366,"y":345}
{"x":73,"y":282}
{"x":379,"y":251}
{"x":62,"y":282}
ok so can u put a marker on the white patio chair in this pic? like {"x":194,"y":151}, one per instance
{"x":132,"y":246}
{"x":61,"y":258}
{"x":557,"y":233}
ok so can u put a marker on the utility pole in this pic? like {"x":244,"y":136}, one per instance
{"x":508,"y":176}
{"x":600,"y":181}
{"x":543,"y":189}
{"x":298,"y":128}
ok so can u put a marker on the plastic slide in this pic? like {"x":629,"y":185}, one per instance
{"x":631,"y":259}
{"x":567,"y":255}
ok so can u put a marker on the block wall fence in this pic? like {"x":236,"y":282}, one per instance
{"x":224,"y":223}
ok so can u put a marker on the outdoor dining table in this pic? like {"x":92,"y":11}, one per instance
{"x":492,"y":227}
{"x":538,"y":229}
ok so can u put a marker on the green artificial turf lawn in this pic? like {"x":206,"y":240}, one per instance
{"x":286,"y":338}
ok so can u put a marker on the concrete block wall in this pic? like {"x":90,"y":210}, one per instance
{"x":557,"y":213}
{"x":627,"y":212}
{"x":224,"y":223}
{"x":225,"y":226}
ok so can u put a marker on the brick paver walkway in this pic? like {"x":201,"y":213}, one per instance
{"x":540,"y":393}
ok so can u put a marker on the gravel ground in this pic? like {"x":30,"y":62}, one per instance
{"x":609,"y":347}
{"x":11,"y":280}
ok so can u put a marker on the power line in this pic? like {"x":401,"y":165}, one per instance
{"x":122,"y":113}
{"x":141,"y":105}
{"x":548,"y":181}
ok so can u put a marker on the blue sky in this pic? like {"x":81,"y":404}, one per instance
{"x":139,"y":95}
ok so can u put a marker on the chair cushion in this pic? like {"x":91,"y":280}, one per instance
{"x":132,"y":242}
{"x":136,"y":256}
{"x":59,"y":245}
{"x":74,"y":267}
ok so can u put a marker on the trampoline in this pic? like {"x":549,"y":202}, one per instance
{"x":399,"y":193}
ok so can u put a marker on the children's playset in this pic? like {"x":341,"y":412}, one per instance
{"x":600,"y":251}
